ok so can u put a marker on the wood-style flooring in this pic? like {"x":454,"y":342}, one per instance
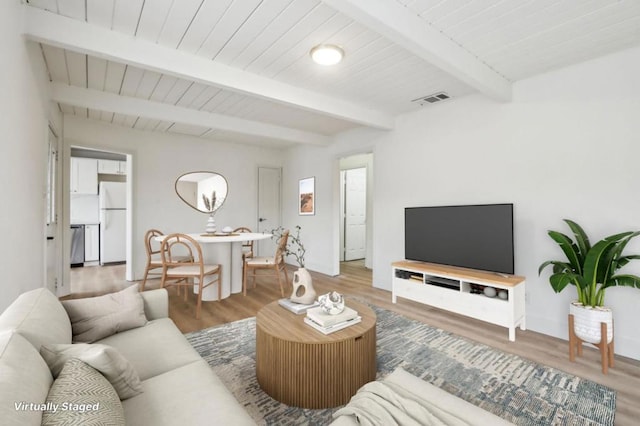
{"x":355,"y":280}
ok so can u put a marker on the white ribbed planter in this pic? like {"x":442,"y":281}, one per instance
{"x":587,"y":319}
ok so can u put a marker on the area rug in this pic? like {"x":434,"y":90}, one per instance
{"x":511,"y":387}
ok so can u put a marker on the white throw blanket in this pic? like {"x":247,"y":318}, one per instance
{"x":382,"y":403}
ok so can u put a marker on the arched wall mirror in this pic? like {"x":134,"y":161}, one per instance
{"x":204,"y":191}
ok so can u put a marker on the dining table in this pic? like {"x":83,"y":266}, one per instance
{"x":224,"y":249}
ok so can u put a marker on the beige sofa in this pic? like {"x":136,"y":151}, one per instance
{"x":179,"y":387}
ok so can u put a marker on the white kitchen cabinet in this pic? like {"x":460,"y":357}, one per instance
{"x":91,"y":243}
{"x":84,"y":175}
{"x":112,"y":167}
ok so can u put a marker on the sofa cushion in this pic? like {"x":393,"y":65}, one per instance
{"x":189,"y":395}
{"x":94,"y":318}
{"x":107,"y":360}
{"x":39,"y":316}
{"x":156,"y":303}
{"x":24,"y":379}
{"x":153,"y":349}
{"x":82,"y":396}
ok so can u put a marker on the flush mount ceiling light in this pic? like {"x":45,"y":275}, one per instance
{"x":327,"y":54}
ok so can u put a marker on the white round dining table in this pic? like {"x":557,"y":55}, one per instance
{"x":224,"y":250}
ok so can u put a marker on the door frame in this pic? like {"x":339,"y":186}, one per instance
{"x":341,"y":163}
{"x":53,"y":230}
{"x":65,"y":285}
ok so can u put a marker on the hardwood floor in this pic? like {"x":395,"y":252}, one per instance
{"x":355,"y":281}
{"x":91,"y":281}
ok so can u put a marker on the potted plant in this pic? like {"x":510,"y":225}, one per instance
{"x":303,"y":291}
{"x":591,"y":270}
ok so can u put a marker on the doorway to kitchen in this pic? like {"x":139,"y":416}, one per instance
{"x":99,"y":216}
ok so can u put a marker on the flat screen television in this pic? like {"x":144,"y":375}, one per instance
{"x":472,"y":236}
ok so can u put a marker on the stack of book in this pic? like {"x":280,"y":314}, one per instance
{"x":327,"y":324}
{"x":296,"y":308}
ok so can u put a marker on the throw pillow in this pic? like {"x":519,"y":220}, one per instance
{"x":82,"y":396}
{"x":95,"y":318}
{"x":106,"y":359}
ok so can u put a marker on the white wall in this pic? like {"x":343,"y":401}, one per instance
{"x":317,"y":231}
{"x":566,"y":147}
{"x":23,"y":120}
{"x":321,"y":232}
{"x":158,"y":159}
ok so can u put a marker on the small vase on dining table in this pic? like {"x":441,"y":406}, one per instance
{"x":211,"y":225}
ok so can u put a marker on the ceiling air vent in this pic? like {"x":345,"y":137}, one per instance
{"x":432,"y":99}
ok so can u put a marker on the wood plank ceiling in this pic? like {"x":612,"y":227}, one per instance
{"x":396,"y":51}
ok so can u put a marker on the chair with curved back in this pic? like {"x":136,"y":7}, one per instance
{"x":183,"y":273}
{"x":154,"y":260}
{"x":247,"y":246}
{"x":153,"y":255}
{"x":275,"y":264}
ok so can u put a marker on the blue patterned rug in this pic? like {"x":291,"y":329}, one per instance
{"x":511,"y":387}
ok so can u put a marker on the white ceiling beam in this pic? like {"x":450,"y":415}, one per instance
{"x":110,"y":102}
{"x":78,"y":36}
{"x":394,"y":21}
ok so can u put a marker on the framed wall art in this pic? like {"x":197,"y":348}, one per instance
{"x":307,"y":196}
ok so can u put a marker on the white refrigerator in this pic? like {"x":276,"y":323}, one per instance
{"x":113,"y":221}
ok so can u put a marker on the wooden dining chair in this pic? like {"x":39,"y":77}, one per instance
{"x":274,"y":264}
{"x":154,"y":260}
{"x":247,"y":246}
{"x":183,"y":273}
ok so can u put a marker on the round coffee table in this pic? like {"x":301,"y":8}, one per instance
{"x":299,"y":366}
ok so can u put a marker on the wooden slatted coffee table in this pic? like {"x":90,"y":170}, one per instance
{"x":299,"y":366}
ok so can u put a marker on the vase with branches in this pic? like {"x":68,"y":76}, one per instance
{"x":303,"y":291}
{"x":210,"y":205}
{"x":294,"y":246}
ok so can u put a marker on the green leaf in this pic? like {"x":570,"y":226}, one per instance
{"x":557,"y":266}
{"x":622,"y":261}
{"x":597,"y":253}
{"x":560,"y":281}
{"x":596,"y":266}
{"x":620,"y":248}
{"x":626,"y":280}
{"x":581,"y":238}
{"x":606,"y":267}
{"x":544,"y":265}
{"x":569,"y":248}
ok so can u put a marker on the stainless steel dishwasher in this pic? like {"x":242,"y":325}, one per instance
{"x":77,"y":245}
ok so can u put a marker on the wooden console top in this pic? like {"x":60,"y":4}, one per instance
{"x":458,"y":273}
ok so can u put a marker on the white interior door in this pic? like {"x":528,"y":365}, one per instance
{"x":355,"y":212}
{"x":269,"y":208}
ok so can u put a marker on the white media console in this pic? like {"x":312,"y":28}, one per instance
{"x":452,"y":289}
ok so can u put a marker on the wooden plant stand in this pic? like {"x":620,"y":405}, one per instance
{"x":606,"y":349}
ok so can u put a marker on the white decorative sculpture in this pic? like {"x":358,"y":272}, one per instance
{"x":332,"y":303}
{"x":303,"y":291}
